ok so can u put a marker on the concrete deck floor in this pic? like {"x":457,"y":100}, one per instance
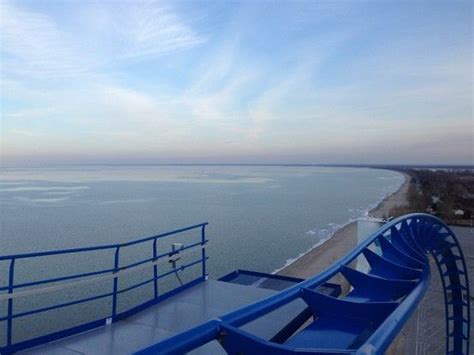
{"x":194,"y":306}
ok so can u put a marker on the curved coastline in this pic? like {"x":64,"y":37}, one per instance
{"x":337,"y":244}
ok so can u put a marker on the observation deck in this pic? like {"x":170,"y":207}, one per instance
{"x":180,"y":311}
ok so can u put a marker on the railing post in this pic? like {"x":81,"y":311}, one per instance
{"x":155,"y":269}
{"x":11,"y":276}
{"x":114,"y":299}
{"x":203,"y":251}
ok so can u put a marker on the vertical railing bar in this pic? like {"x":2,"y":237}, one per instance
{"x":155,"y":269}
{"x":114,"y":296}
{"x":203,"y":251}
{"x":11,"y":276}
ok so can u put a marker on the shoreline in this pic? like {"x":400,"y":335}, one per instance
{"x":325,"y":253}
{"x":395,"y":199}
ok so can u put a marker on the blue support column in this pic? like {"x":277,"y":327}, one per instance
{"x":155,"y":270}
{"x":11,"y":276}
{"x":203,"y":251}
{"x":115,"y":289}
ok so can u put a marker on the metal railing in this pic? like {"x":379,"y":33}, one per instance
{"x":13,"y":291}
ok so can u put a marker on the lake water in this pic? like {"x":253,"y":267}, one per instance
{"x":259,"y":217}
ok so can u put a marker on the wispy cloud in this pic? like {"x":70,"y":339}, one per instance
{"x":62,"y":76}
{"x":33,"y":46}
{"x":153,"y":79}
{"x":22,"y":132}
{"x":151,"y":28}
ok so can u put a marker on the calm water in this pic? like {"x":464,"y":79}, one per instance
{"x":259,"y":217}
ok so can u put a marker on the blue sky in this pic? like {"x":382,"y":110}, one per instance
{"x":253,"y":81}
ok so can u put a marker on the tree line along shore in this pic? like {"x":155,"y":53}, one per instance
{"x":445,"y":193}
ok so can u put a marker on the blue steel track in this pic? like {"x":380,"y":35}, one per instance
{"x":367,"y":320}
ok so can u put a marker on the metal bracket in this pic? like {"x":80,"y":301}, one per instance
{"x":175,"y":249}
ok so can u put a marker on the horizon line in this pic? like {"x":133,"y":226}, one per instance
{"x":342,"y":165}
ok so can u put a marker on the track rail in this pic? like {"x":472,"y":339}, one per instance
{"x":367,"y":319}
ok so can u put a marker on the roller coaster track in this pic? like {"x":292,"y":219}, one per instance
{"x":368,"y":318}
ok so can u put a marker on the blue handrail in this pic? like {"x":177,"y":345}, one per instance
{"x":101,"y":247}
{"x":113,"y":273}
{"x":406,"y":239}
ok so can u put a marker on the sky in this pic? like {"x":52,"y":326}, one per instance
{"x":143,"y":82}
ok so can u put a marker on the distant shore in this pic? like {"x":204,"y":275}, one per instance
{"x":343,"y":240}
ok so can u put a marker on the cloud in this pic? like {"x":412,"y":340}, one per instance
{"x":37,"y":45}
{"x":33,"y":45}
{"x":31,"y":113}
{"x":22,"y":132}
{"x":58,"y":74}
{"x":150,"y":28}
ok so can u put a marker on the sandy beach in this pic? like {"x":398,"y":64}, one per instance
{"x":343,"y":240}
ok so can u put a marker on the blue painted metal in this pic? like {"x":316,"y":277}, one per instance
{"x":203,"y":251}
{"x":114,"y":293}
{"x":114,"y":273}
{"x":155,"y":270}
{"x":11,"y":274}
{"x":238,"y":276}
{"x":368,"y":318}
